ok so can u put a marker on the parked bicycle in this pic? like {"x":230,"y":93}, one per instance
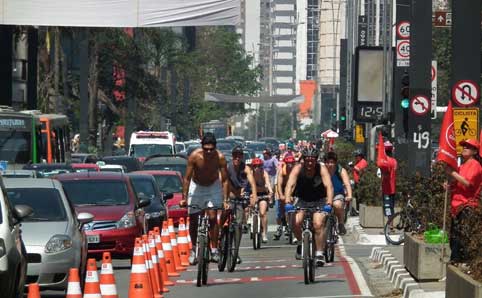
{"x":402,"y":222}
{"x":255,"y":220}
{"x":231,"y":234}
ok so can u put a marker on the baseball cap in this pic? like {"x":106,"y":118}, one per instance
{"x":471,"y":143}
{"x":388,"y":145}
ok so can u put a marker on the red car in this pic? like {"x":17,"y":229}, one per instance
{"x":170,"y":182}
{"x":118,"y":213}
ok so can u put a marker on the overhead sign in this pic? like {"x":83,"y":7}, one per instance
{"x":465,"y":93}
{"x":403,"y":53}
{"x":403,"y":30}
{"x":420,"y":105}
{"x":433,"y":104}
{"x":466,"y":125}
{"x":359,"y":134}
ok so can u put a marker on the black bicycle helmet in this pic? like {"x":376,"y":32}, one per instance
{"x":310,"y":152}
{"x":237,"y":150}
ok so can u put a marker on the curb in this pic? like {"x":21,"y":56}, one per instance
{"x":357,"y":231}
{"x":399,"y":276}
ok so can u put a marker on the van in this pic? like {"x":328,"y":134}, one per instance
{"x":147,"y":143}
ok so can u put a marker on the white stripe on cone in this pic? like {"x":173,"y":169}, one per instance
{"x":92,"y":276}
{"x":108,"y":289}
{"x":73,"y":288}
{"x":138,"y":268}
{"x":92,"y":296}
{"x":107,"y":269}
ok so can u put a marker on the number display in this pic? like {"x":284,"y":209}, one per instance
{"x":368,"y":112}
{"x":422,"y":139}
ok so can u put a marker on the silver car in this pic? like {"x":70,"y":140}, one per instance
{"x":53,"y":233}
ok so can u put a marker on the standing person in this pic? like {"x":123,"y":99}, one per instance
{"x":388,"y":167}
{"x":465,"y":190}
{"x":270,"y":165}
{"x":283,"y":174}
{"x":341,"y":188}
{"x":359,"y":167}
{"x":205,"y":180}
{"x":263,"y":188}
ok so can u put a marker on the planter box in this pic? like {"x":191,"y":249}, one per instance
{"x":422,"y":259}
{"x":459,"y":284}
{"x":372,"y":216}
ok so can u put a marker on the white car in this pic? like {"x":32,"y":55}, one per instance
{"x":112,"y":168}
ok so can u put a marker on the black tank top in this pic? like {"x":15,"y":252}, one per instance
{"x":238,"y":178}
{"x":310,"y":189}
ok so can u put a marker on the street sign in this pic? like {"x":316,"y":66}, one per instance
{"x":403,"y":53}
{"x":403,"y":30}
{"x":465,"y":93}
{"x":362,"y":31}
{"x":359,"y":134}
{"x":433,"y":104}
{"x":442,"y":19}
{"x":420,"y":105}
{"x":466,"y":125}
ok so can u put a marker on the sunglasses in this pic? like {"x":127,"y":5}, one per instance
{"x":237,"y":156}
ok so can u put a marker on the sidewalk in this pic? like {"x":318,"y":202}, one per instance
{"x":388,"y":260}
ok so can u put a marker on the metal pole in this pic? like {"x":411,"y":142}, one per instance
{"x":390,"y":58}
{"x":384,"y":77}
{"x":256,"y":120}
{"x":334,"y":65}
{"x":275,"y":120}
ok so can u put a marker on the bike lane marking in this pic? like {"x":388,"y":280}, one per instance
{"x":355,"y":279}
{"x":247,"y":280}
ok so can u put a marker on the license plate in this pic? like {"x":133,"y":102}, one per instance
{"x":93,"y":239}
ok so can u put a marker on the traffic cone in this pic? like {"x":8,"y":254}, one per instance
{"x":139,"y":285}
{"x":175,"y":250}
{"x":108,"y":288}
{"x":167,"y":248}
{"x":183,"y":243}
{"x":150,"y":269}
{"x":73,"y":286}
{"x":162,"y":260}
{"x":188,"y":234}
{"x":92,"y":286}
{"x":33,"y":290}
{"x":155,"y":264}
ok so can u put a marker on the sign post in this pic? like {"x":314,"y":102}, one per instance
{"x":434,"y":74}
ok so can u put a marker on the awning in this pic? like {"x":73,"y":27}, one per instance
{"x":216,"y":97}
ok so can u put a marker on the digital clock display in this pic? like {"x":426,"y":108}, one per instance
{"x":368,"y":111}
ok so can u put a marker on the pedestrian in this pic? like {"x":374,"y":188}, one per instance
{"x":465,"y":195}
{"x":388,"y":168}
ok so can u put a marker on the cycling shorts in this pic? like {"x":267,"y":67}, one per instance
{"x":200,"y":195}
{"x":339,"y":197}
{"x":278,"y":207}
{"x":289,"y":208}
{"x":304,"y":204}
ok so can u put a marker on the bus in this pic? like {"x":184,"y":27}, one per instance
{"x":220,"y":129}
{"x":19,"y":138}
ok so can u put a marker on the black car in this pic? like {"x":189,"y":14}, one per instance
{"x":130,"y":163}
{"x":145,"y":186}
{"x":83,"y":158}
{"x":166,"y":163}
{"x":44,"y":170}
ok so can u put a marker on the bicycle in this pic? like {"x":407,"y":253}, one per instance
{"x":331,"y":236}
{"x":308,"y":249}
{"x":231,"y":234}
{"x":203,"y":250}
{"x":290,"y":220}
{"x":256,"y":223}
{"x":401,"y":222}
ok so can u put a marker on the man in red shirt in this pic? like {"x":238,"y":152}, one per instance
{"x":359,"y":167}
{"x":388,"y":166}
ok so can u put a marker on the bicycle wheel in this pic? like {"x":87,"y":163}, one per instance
{"x":306,"y":257}
{"x":223,"y":249}
{"x":329,"y":246}
{"x":235,"y":237}
{"x":333,"y":240}
{"x":202,"y":251}
{"x":312,"y":261}
{"x":255,"y":229}
{"x":395,"y":228}
{"x":207,"y":253}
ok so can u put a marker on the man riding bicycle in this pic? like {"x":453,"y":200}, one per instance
{"x":312,"y":184}
{"x":283,"y":174}
{"x":205,"y":181}
{"x":240,"y":178}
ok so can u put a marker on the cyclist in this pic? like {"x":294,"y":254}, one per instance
{"x":240,"y":177}
{"x":205,"y":180}
{"x":270,"y":165}
{"x":341,"y":188}
{"x":263,"y":188}
{"x":282,"y":179}
{"x":312,"y":184}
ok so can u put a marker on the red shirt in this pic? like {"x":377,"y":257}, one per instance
{"x":388,"y":167}
{"x":359,"y":166}
{"x":463,"y":195}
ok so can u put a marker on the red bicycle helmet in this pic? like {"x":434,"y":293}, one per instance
{"x":257,"y":162}
{"x":289,"y":159}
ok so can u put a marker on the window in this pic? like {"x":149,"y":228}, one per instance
{"x":145,"y":150}
{"x":96,"y":192}
{"x":46,"y":203}
{"x":169,"y":183}
{"x":145,"y":187}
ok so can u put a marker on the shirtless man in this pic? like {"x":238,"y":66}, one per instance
{"x":206,"y":180}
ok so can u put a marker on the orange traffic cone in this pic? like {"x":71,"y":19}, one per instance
{"x":107,"y":280}
{"x":175,"y":250}
{"x":162,"y":260}
{"x":183,"y":243}
{"x":188,"y":234}
{"x":167,"y":248}
{"x":33,"y":290}
{"x":73,"y":286}
{"x":139,"y":285}
{"x":150,"y":267}
{"x":155,"y":264}
{"x":92,"y":286}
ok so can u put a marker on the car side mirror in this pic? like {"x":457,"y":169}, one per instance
{"x":143,"y":203}
{"x":167,"y":196}
{"x":85,"y":217}
{"x":22,"y":211}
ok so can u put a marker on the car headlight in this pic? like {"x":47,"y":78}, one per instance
{"x":127,"y":221}
{"x":58,"y":243}
{"x":152,"y":215}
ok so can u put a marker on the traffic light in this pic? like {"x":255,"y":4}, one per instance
{"x":405,"y":100}
{"x":342,"y":124}
{"x":333,"y":113}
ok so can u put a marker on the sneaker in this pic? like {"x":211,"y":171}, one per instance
{"x":295,"y":240}
{"x":298,"y":252}
{"x":238,"y":260}
{"x":278,"y":233}
{"x":265,"y":239}
{"x":341,"y":229}
{"x":245,"y":229}
{"x":287,"y":231}
{"x":215,"y":257}
{"x":192,"y":258}
{"x":320,"y":260}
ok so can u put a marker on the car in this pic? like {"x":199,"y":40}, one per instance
{"x":145,"y":186}
{"x":83,"y":158}
{"x":44,"y":170}
{"x":53,"y":234}
{"x":180,"y":147}
{"x":13,"y":256}
{"x":19,"y":174}
{"x":112,"y":168}
{"x":130,"y":163}
{"x":170,"y":182}
{"x":257,"y":147}
{"x":166,"y":163}
{"x":191,"y":148}
{"x":118,"y":212}
{"x":272,"y":143}
{"x":85,"y":167}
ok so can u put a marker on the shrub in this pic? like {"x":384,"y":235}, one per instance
{"x":472,"y":235}
{"x":369,"y":190}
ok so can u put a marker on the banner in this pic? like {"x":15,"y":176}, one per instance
{"x":447,"y":152}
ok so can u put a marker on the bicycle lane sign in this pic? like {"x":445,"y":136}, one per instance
{"x":466,"y":125}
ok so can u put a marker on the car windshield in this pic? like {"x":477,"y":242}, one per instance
{"x":179,"y":147}
{"x":145,"y":187}
{"x":169,"y":183}
{"x":46,"y":203}
{"x":145,"y":150}
{"x":51,"y":172}
{"x":166,"y":167}
{"x":224,"y":146}
{"x":256,"y":146}
{"x":118,"y":170}
{"x":96,"y":192}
